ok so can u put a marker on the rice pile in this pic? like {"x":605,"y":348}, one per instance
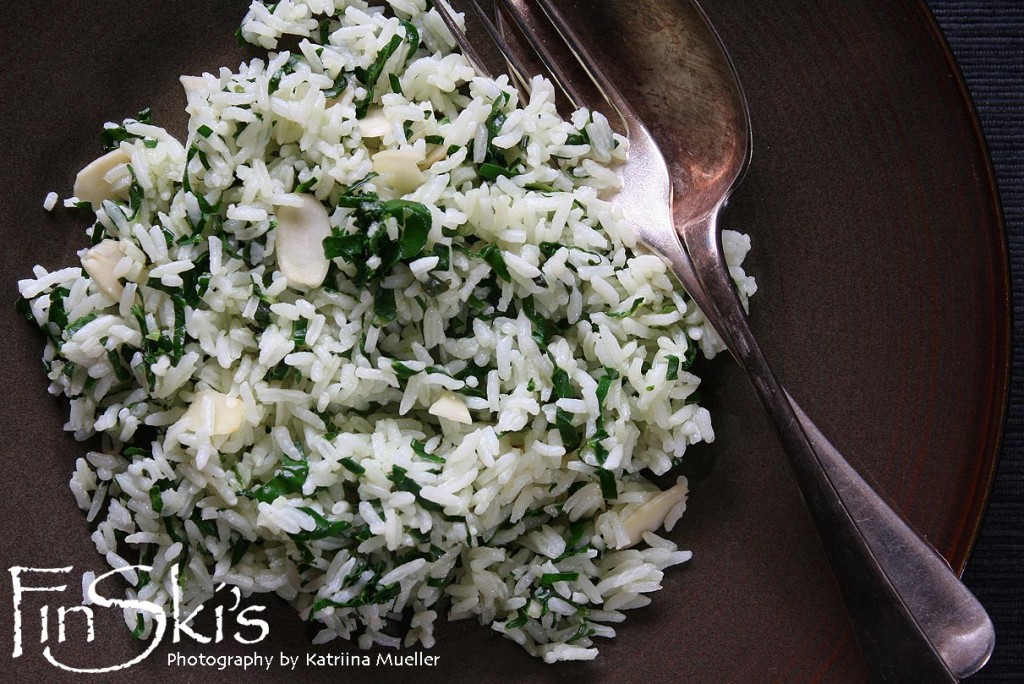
{"x":440,"y":402}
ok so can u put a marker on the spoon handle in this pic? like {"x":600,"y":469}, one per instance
{"x":949,"y":615}
{"x":913,"y":618}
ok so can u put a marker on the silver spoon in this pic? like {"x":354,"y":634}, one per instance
{"x":913,"y":619}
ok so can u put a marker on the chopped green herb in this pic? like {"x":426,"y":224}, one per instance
{"x":120,"y":372}
{"x":57,"y":315}
{"x":570,"y":435}
{"x":673,"y":368}
{"x":543,"y":328}
{"x":637,"y":303}
{"x":178,"y":343}
{"x":496,"y":260}
{"x":338,"y":88}
{"x":493,"y":172}
{"x":113,"y":135}
{"x":605,"y":384}
{"x":349,"y":247}
{"x":420,"y":450}
{"x":548,"y":579}
{"x":580,"y":138}
{"x":299,"y":328}
{"x":402,"y":371}
{"x":396,"y":83}
{"x":135,"y":195}
{"x":262,"y":315}
{"x":306,"y":185}
{"x":584,"y":630}
{"x":207,"y":527}
{"x":519,"y":621}
{"x":576,"y":532}
{"x":140,"y":626}
{"x":561,"y":385}
{"x":539,"y":187}
{"x":288,"y":480}
{"x":238,"y":550}
{"x":689,"y":357}
{"x":156,"y":493}
{"x":324,"y":31}
{"x":369,"y":77}
{"x":78,"y":324}
{"x":352,"y":466}
{"x":403,"y":484}
{"x":385,"y":309}
{"x":609,"y":489}
{"x":562,"y":389}
{"x":186,"y":182}
{"x":414,"y":222}
{"x":289,"y":67}
{"x":412,"y":35}
{"x":324,"y":527}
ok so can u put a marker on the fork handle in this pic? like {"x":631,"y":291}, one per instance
{"x":913,"y":618}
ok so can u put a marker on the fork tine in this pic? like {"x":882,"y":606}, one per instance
{"x":516,"y":65}
{"x":444,"y":9}
{"x":531,"y":27}
{"x":537,"y":45}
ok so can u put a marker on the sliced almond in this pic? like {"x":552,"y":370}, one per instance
{"x":215,"y":413}
{"x":374,"y":124}
{"x":399,"y":169}
{"x":437,"y":154}
{"x":100,"y":262}
{"x":300,"y":242}
{"x":651,"y":515}
{"x":104,"y":178}
{"x":451,"y":406}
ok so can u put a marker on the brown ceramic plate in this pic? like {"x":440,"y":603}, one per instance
{"x":878,"y":246}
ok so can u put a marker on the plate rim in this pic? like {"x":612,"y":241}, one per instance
{"x":992,"y":448}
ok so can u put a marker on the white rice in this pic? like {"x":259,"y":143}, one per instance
{"x":334,"y":486}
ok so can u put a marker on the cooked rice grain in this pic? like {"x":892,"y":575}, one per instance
{"x":283,"y":438}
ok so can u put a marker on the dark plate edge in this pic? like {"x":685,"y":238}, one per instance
{"x":991,"y":447}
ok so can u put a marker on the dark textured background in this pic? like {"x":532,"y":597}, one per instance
{"x":987,"y":38}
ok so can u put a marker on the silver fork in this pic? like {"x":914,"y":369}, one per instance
{"x":913,"y":619}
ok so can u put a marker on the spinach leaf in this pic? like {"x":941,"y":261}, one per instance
{"x":494,"y":258}
{"x":403,"y":484}
{"x":385,"y":309}
{"x":421,"y":450}
{"x":369,"y":76}
{"x":673,"y":368}
{"x":609,"y":489}
{"x":324,"y":527}
{"x":288,"y":479}
{"x":548,"y":579}
{"x":414,"y":219}
{"x":414,"y":222}
{"x":637,"y":303}
{"x":112,"y":134}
